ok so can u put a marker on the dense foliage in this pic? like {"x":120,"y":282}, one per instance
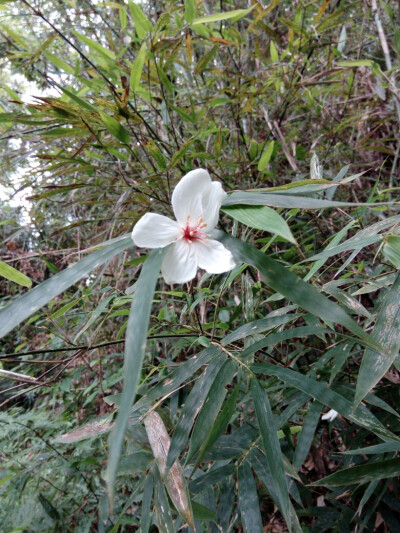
{"x":214,"y":422}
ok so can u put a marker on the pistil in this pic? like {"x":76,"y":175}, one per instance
{"x":193,"y":233}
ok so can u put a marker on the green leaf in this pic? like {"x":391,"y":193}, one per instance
{"x":260,"y":465}
{"x":25,"y":306}
{"x":362,"y":473}
{"x":80,"y":101}
{"x":115,"y":127}
{"x":137,"y":68}
{"x":391,"y":249}
{"x":249,"y":503}
{"x":355,"y":63}
{"x":306,"y":437}
{"x":184,"y":372}
{"x":263,"y":218}
{"x":293,"y":288}
{"x":177,"y":156}
{"x":215,"y":17}
{"x":271,"y":446}
{"x":384,"y":447}
{"x":49,"y":508}
{"x":12,"y":274}
{"x":94,"y":45}
{"x":266,"y":156}
{"x":193,"y":403}
{"x":258,"y":326}
{"x":274,"y":53}
{"x":142,"y":23}
{"x":350,"y":244}
{"x":135,"y":346}
{"x":202,"y":513}
{"x":325,"y":395}
{"x":206,"y":418}
{"x":220,"y":424}
{"x":190,"y":10}
{"x":59,"y":63}
{"x":290,"y":202}
{"x":275,"y":338}
{"x":386,"y":331}
{"x":173,"y":478}
{"x":145,"y":518}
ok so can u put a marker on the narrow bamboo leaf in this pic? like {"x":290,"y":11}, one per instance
{"x":266,"y":156}
{"x":182,"y":151}
{"x":271,"y":447}
{"x":216,"y":17}
{"x":164,"y":520}
{"x":362,"y":473}
{"x":192,"y":405}
{"x":205,"y":60}
{"x":384,"y":447}
{"x":135,"y":346}
{"x":12,"y":274}
{"x":101,"y":308}
{"x":290,"y":202}
{"x":386,"y":331}
{"x":87,"y":431}
{"x":95,"y":46}
{"x":184,"y":372}
{"x":391,"y":249}
{"x":261,"y":217}
{"x":49,"y":508}
{"x":351,"y":244}
{"x":137,"y":68}
{"x":260,"y":465}
{"x":249,"y":503}
{"x":356,"y":63}
{"x":115,"y":127}
{"x":293,"y":288}
{"x":210,"y":478}
{"x":258,"y":326}
{"x":142,"y":23}
{"x":208,"y":414}
{"x":25,"y":306}
{"x":174,"y":480}
{"x":202,"y":513}
{"x":307,"y":434}
{"x":220,"y":424}
{"x":321,"y":392}
{"x":274,"y":52}
{"x":58,"y":62}
{"x":65,"y":308}
{"x":145,"y":518}
{"x":190,"y":10}
{"x":335,"y":241}
{"x":275,"y":338}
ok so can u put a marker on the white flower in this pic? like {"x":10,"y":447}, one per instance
{"x":196,"y":201}
{"x":330,"y":415}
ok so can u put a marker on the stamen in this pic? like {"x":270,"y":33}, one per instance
{"x":191,"y":233}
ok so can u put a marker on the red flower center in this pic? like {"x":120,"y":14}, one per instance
{"x":194,"y":233}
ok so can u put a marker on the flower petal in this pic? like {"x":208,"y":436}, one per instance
{"x":190,"y":196}
{"x":211,"y":208}
{"x":180,"y":263}
{"x":213,"y":256}
{"x":155,"y":231}
{"x":330,"y":415}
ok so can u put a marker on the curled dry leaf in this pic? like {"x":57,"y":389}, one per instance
{"x":173,"y":479}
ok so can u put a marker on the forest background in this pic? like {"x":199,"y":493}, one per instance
{"x":215,"y":422}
